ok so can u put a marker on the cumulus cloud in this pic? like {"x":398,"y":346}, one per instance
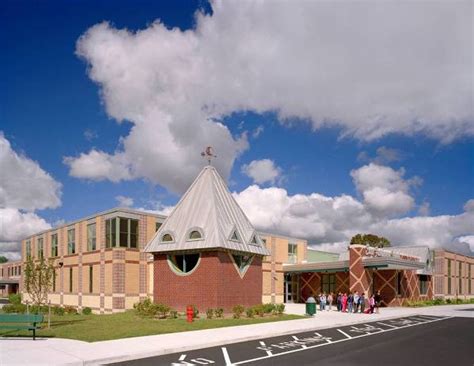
{"x":369,"y":70}
{"x":330,"y":222}
{"x":262,"y":171}
{"x":384,"y":190}
{"x":124,"y":201}
{"x":24,"y":188}
{"x":24,"y":185}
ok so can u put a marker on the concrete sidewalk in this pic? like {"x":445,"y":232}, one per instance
{"x":14,"y":351}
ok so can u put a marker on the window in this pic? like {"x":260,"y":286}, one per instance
{"x":54,"y":281}
{"x":91,"y":279}
{"x":28,"y":249}
{"x":70,"y":279}
{"x":71,"y":241}
{"x":469,"y":279}
{"x":235,"y":236}
{"x":399,"y":283}
{"x":54,"y":245}
{"x":157,"y":226}
{"x":292,"y":253}
{"x":195,"y":235}
{"x":254,"y":240}
{"x":449,"y":277}
{"x":242,"y":262}
{"x":424,"y":283}
{"x":328,"y":283}
{"x":167,"y":238}
{"x":39,"y":248}
{"x":121,"y":232}
{"x":91,"y":237}
{"x":460,"y":278}
{"x":184,"y":263}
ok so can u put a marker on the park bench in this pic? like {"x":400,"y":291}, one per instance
{"x":21,"y":321}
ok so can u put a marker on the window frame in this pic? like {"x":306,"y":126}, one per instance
{"x":71,"y":241}
{"x":40,"y":247}
{"x":191,"y":231}
{"x":91,"y":239}
{"x":174,"y":267}
{"x":292,"y":256}
{"x":328,"y":280}
{"x":54,"y":245}
{"x":113,"y":232}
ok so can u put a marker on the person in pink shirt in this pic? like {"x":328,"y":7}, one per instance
{"x":344,"y":302}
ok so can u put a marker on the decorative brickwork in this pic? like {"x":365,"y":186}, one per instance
{"x":358,"y":280}
{"x":214,"y":283}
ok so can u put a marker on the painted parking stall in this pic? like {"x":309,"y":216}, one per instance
{"x":254,"y":351}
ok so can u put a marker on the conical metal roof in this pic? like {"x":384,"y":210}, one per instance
{"x":209,"y":209}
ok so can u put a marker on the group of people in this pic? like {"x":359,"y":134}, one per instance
{"x":351,"y":302}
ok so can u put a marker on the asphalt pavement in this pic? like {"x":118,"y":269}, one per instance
{"x":414,"y":340}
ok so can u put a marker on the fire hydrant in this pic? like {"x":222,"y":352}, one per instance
{"x":189,"y":313}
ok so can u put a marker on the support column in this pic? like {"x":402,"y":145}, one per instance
{"x":358,"y":276}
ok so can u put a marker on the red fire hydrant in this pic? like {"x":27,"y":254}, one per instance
{"x":189,"y":313}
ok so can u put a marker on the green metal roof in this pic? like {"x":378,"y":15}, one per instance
{"x":320,"y":256}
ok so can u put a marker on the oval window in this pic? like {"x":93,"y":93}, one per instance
{"x":166,"y":238}
{"x":195,"y":235}
{"x":184,"y":263}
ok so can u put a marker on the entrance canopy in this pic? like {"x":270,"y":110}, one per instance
{"x":9,"y":281}
{"x":343,"y":265}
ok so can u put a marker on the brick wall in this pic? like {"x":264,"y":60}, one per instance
{"x":214,"y":283}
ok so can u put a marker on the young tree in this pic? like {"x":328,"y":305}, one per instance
{"x":3,"y":259}
{"x":38,"y":279}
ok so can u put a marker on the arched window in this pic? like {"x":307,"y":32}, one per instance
{"x":184,"y":263}
{"x":195,"y":235}
{"x":167,"y":238}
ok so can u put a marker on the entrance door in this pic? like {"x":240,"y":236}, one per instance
{"x":291,"y":288}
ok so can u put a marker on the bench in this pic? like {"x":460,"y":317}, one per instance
{"x":21,"y":321}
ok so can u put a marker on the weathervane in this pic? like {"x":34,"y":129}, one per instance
{"x":208,"y":154}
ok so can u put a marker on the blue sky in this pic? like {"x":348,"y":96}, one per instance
{"x":53,"y":108}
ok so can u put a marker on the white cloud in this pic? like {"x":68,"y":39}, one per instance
{"x":23,"y":184}
{"x":424,"y":209}
{"x":384,"y":190}
{"x":258,"y":131}
{"x":370,"y":70}
{"x":24,"y":188}
{"x":330,"y":222}
{"x":124,"y":201}
{"x":262,"y":171}
{"x":383,"y":155}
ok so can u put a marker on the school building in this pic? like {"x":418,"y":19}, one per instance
{"x":207,"y":253}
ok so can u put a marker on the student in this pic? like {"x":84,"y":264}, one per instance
{"x":344,"y":302}
{"x":350,"y":302}
{"x":362,"y":302}
{"x":322,"y":302}
{"x":372,"y":304}
{"x":356,"y":302}
{"x":329,"y":300}
{"x":378,"y":301}
{"x":339,"y":301}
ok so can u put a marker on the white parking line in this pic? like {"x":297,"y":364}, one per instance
{"x":297,"y":339}
{"x":337,"y":341}
{"x":269,"y":353}
{"x":226,"y":356}
{"x":344,"y":333}
{"x":387,"y":325}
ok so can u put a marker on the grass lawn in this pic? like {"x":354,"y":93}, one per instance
{"x":93,"y":328}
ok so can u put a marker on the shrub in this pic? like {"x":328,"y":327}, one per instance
{"x":173,"y":314}
{"x":146,"y":308}
{"x":238,"y":311}
{"x":448,"y":301}
{"x":219,"y":312}
{"x":268,"y":308}
{"x":250,"y":312}
{"x":57,"y":310}
{"x":14,"y":309}
{"x":438,"y":301}
{"x":70,"y":310}
{"x":259,"y":310}
{"x":471,"y":300}
{"x":86,"y":311}
{"x":162,"y":310}
{"x":279,"y":309}
{"x":209,"y":313}
{"x":35,"y":309}
{"x":14,"y":299}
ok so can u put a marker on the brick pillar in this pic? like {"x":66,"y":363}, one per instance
{"x":358,"y":277}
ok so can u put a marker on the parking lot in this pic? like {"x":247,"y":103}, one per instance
{"x":343,"y":345}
